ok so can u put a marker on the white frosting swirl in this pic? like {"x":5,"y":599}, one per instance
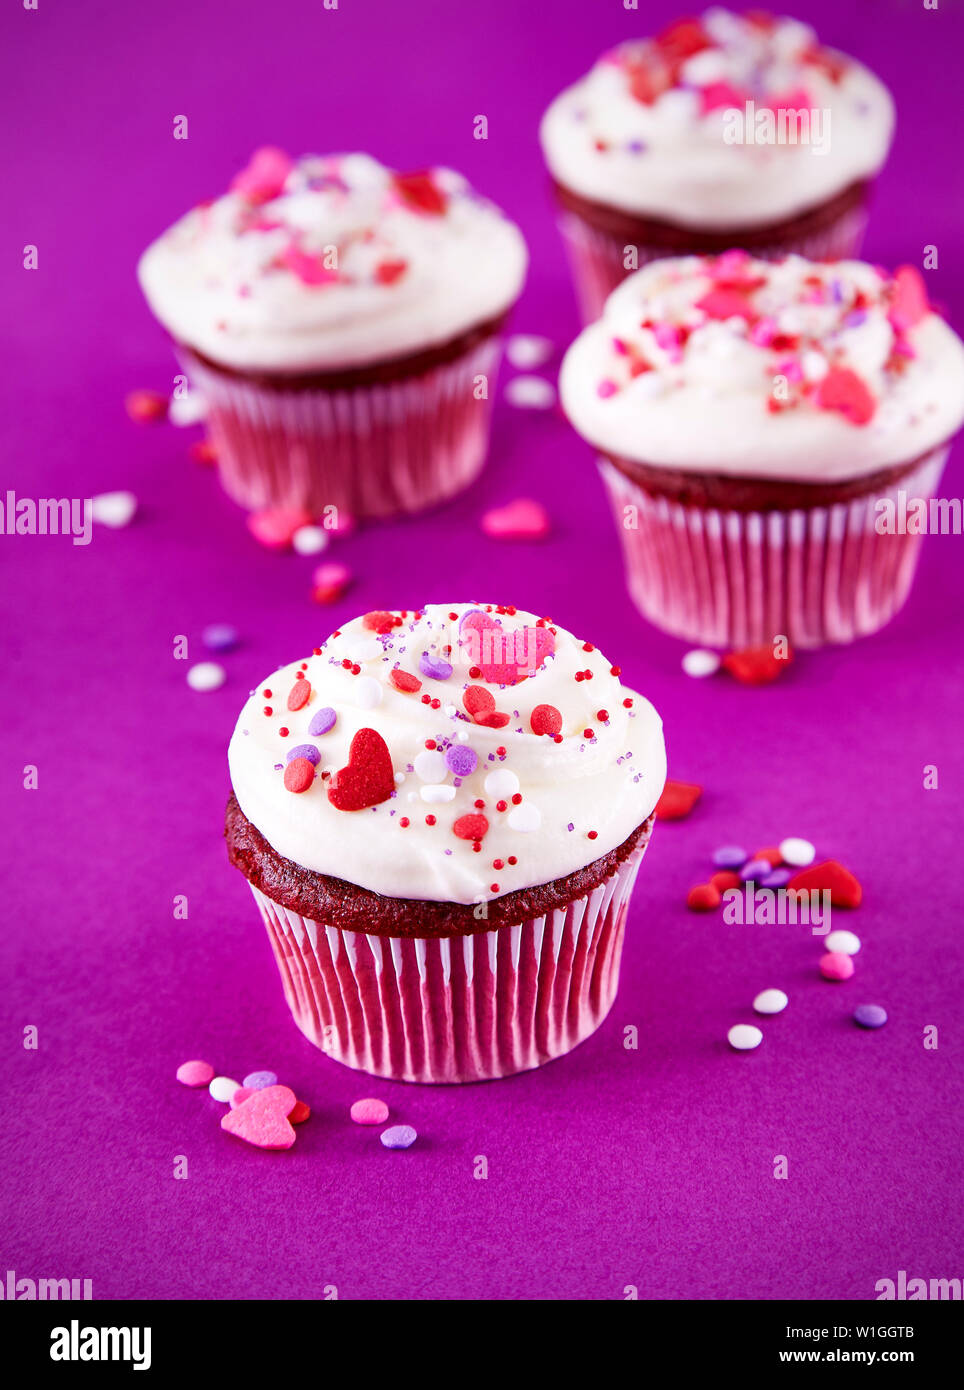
{"x":788,"y":369}
{"x":575,"y":799}
{"x":332,"y":262}
{"x":647,"y":129}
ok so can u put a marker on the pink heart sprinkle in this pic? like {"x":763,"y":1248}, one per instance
{"x":521,"y":520}
{"x":275,"y":526}
{"x":262,"y":1119}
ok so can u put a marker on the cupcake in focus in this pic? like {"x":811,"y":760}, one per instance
{"x":756,"y":421}
{"x":343,"y":322}
{"x":729,"y":130}
{"x":441,"y":816}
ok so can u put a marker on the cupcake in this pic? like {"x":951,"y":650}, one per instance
{"x":344,"y":324}
{"x":757,"y":424}
{"x":730,"y":130}
{"x":441,"y":815}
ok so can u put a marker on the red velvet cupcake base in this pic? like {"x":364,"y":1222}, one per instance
{"x":375,"y":448}
{"x":458,"y":1008}
{"x":738,"y":578}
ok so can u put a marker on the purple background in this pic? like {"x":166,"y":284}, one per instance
{"x":610,"y":1167}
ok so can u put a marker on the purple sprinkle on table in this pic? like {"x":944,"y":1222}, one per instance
{"x":729,"y":857}
{"x":779,"y":878}
{"x":870,"y":1016}
{"x":757,"y":869}
{"x":220,"y":637}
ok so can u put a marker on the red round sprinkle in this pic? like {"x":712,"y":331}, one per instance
{"x":500,"y":751}
{"x":627,"y":704}
{"x":557,"y":738}
{"x":356,"y":669}
{"x":493,"y":888}
{"x":592,"y":834}
{"x":615,"y":670}
{"x":267,"y":709}
{"x":299,"y":775}
{"x":283,"y":732}
{"x":579,"y":676}
{"x":470,"y":827}
{"x":587,"y":733}
{"x":479,"y":805}
{"x":602,"y":715}
{"x":266,"y":694}
{"x":475,"y":672}
{"x":404,"y":822}
{"x":429,"y":820}
{"x":476,"y":847}
{"x":517,"y":798}
{"x":512,"y":859}
{"x":501,"y":805}
{"x":299,"y":694}
{"x":436,"y":704}
{"x":426,"y":699}
{"x":588,"y":647}
{"x":545,"y":719}
{"x":430,"y":744}
{"x":498,"y":864}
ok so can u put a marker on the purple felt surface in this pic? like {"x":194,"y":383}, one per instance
{"x":612,"y":1167}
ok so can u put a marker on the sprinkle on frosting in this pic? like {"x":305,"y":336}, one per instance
{"x":326,"y":262}
{"x":747,"y":366}
{"x":478,"y":755}
{"x":648,"y":129}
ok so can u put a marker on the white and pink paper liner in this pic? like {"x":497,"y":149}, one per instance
{"x":459,"y":1008}
{"x":738,"y":579}
{"x":373,"y":450}
{"x":596,"y":258}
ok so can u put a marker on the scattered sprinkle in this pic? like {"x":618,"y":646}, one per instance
{"x":701,"y":663}
{"x":113,"y":509}
{"x":275,"y":527}
{"x":310,"y":540}
{"x":222,"y":1088}
{"x":870,"y":1016}
{"x":398,"y":1137}
{"x":677,"y":800}
{"x":843,"y":941}
{"x":195,"y":1073}
{"x":257,"y":1080}
{"x":836,"y":966}
{"x":797,"y":853}
{"x":220,"y":637}
{"x":370,"y":1111}
{"x":145,"y":407}
{"x":206,"y":675}
{"x":522,"y":520}
{"x":770,"y":1001}
{"x":527,"y":350}
{"x":530,"y":393}
{"x":744,"y":1037}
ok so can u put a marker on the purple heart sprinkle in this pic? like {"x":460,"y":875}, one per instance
{"x":322,"y":721}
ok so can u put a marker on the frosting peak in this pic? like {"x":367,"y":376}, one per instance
{"x":452,"y":755}
{"x":332,"y":261}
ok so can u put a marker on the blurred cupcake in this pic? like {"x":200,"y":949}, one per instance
{"x":758,"y":422}
{"x":343,"y":322}
{"x":731,"y":130}
{"x":441,"y":815}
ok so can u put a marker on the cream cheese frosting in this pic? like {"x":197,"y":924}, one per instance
{"x":332,"y":262}
{"x":415,"y":755}
{"x":779,"y":369}
{"x":650,"y":129}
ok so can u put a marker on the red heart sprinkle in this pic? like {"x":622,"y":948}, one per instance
{"x":299,"y":775}
{"x":470,"y":827}
{"x":381,"y":622}
{"x":843,"y":391}
{"x":845,"y":889}
{"x":677,"y":800}
{"x":369,"y":777}
{"x":404,"y":681}
{"x":909,"y":303}
{"x":545,"y":719}
{"x":477,"y":700}
{"x":262,"y":1119}
{"x":299,"y":693}
{"x":756,"y":665}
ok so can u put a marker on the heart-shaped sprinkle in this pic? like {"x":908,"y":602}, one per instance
{"x":506,"y":658}
{"x":299,"y":775}
{"x":241,"y":1095}
{"x":434,"y":666}
{"x":275,"y":526}
{"x":470,"y":827}
{"x":844,"y":888}
{"x":545,"y":719}
{"x":321,"y":721}
{"x":677,"y":800}
{"x":404,"y":681}
{"x":369,"y":777}
{"x":909,"y":303}
{"x":845,"y":392}
{"x":299,"y":694}
{"x":756,"y":665}
{"x":521,"y":520}
{"x":381,"y":622}
{"x":262,"y":1119}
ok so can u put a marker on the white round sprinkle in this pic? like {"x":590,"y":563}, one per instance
{"x":701,"y":663}
{"x":364,"y":649}
{"x":530,"y":393}
{"x":501,"y":783}
{"x":399,"y":778}
{"x":463,"y":736}
{"x":430,"y":766}
{"x":310,"y":540}
{"x":527,"y":350}
{"x":525,"y":818}
{"x":744,"y":1037}
{"x":770,"y":1001}
{"x":367,"y":692}
{"x":114,"y":509}
{"x":187,"y":409}
{"x":438,"y":791}
{"x":845,"y":941}
{"x":797,"y":853}
{"x":449,"y":711}
{"x":223,"y":1088}
{"x":206,"y":675}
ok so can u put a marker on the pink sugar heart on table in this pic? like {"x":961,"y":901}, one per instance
{"x":521,"y":520}
{"x":262,"y":1119}
{"x":275,"y":526}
